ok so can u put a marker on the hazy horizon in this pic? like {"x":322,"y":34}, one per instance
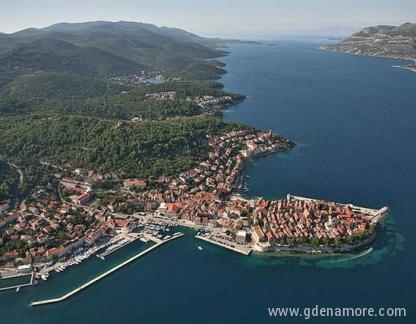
{"x":234,"y":18}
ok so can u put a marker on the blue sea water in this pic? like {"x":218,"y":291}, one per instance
{"x":354,"y":120}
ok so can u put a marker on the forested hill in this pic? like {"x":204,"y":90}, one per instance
{"x":7,"y":181}
{"x":73,"y":95}
{"x":102,"y":49}
{"x":151,"y":148}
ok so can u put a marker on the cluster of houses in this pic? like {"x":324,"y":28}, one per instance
{"x":198,"y":194}
{"x":136,"y":79}
{"x":164,"y":95}
{"x":207,"y":101}
{"x":80,"y":192}
{"x":298,"y":220}
{"x":311,"y":218}
{"x":204,"y":101}
{"x":49,"y":228}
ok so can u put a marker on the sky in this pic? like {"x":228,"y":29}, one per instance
{"x":215,"y":17}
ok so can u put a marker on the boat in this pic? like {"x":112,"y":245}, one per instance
{"x":44,"y":276}
{"x":18,"y":289}
{"x":200,"y":248}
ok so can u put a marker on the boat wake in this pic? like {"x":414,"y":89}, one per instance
{"x":360,"y":255}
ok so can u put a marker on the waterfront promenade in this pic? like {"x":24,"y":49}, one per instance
{"x":105,"y":274}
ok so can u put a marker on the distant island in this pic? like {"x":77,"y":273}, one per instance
{"x":384,"y":41}
{"x":114,"y":132}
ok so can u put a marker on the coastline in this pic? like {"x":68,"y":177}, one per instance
{"x":301,"y":250}
{"x":406,"y":67}
{"x":324,"y":48}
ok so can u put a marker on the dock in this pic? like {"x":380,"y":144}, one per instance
{"x":17,"y":287}
{"x":105,"y":274}
{"x":129,"y":238}
{"x":239,"y":248}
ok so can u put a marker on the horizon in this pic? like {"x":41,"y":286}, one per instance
{"x":334,"y":31}
{"x":216,"y":19}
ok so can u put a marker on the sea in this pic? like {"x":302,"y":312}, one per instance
{"x":354,"y":121}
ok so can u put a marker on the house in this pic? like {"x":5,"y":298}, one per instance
{"x":241,"y":237}
{"x":173,"y":209}
{"x":55,"y":252}
{"x":123,"y":225}
{"x":257,"y":234}
{"x":82,"y":199}
{"x":93,"y":235}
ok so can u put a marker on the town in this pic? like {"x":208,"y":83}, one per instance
{"x":138,"y":78}
{"x":56,"y":228}
{"x":204,"y":101}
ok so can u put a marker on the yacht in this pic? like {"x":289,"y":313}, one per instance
{"x":200,"y":248}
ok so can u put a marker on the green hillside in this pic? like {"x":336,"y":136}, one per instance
{"x":59,"y":102}
{"x":53,"y":85}
{"x":7,"y":180}
{"x":103,"y":49}
{"x":144,"y":149}
{"x":57,"y":94}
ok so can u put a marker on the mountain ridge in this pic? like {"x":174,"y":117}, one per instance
{"x":382,"y":40}
{"x":103,"y":49}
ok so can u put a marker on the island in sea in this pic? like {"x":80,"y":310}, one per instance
{"x":104,"y":143}
{"x":383,"y":41}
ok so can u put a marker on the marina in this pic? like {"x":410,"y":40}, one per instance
{"x":107,"y":273}
{"x":119,"y":243}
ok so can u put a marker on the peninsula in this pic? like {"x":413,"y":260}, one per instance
{"x":384,"y":41}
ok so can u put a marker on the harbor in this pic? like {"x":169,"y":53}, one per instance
{"x":154,"y":232}
{"x":158,"y":242}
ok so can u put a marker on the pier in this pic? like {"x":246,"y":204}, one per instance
{"x":239,"y":248}
{"x":17,"y":287}
{"x":128,"y":238}
{"x":105,"y":274}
